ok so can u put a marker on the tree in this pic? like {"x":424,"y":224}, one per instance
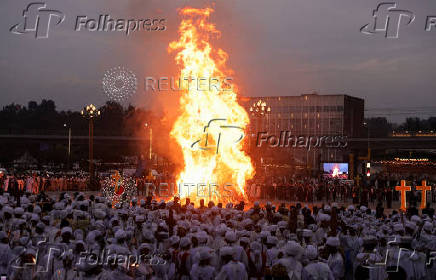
{"x":378,"y":127}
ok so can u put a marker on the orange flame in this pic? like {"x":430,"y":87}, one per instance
{"x":211,"y":122}
{"x":335,"y":171}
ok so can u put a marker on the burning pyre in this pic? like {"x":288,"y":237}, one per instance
{"x":211,"y":124}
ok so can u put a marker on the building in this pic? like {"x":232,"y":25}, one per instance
{"x":310,"y":115}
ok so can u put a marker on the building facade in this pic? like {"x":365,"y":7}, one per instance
{"x":310,"y":117}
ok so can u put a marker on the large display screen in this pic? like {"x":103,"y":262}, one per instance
{"x":336,"y":170}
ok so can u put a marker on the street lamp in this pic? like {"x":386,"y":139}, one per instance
{"x":90,"y":112}
{"x":259,"y":110}
{"x":368,"y":156}
{"x":69,"y":145}
{"x":151,"y":135}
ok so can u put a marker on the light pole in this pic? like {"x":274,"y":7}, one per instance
{"x":151,"y":138}
{"x":259,"y":109}
{"x":90,"y":112}
{"x":69,"y":146}
{"x":366,"y":124}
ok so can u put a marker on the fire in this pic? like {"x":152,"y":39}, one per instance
{"x":211,"y":123}
{"x":335,"y":171}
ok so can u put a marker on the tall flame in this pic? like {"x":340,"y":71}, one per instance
{"x":211,"y":122}
{"x":335,"y":172}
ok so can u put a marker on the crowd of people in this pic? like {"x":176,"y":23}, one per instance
{"x":377,"y":189}
{"x":33,"y":183}
{"x":88,"y":237}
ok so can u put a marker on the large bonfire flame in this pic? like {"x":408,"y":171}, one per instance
{"x":211,"y":123}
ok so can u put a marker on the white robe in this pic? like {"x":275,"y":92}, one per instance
{"x":372,"y":262}
{"x":271,"y":256}
{"x":234,"y":270}
{"x":336,"y":264}
{"x":5,"y":258}
{"x":64,"y":274}
{"x":317,"y":271}
{"x":202,"y":272}
{"x":293,"y":267}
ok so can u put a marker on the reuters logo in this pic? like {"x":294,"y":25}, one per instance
{"x":119,"y":84}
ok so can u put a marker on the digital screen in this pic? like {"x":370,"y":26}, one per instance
{"x":336,"y":170}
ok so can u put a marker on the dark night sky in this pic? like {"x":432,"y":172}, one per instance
{"x":281,"y":47}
